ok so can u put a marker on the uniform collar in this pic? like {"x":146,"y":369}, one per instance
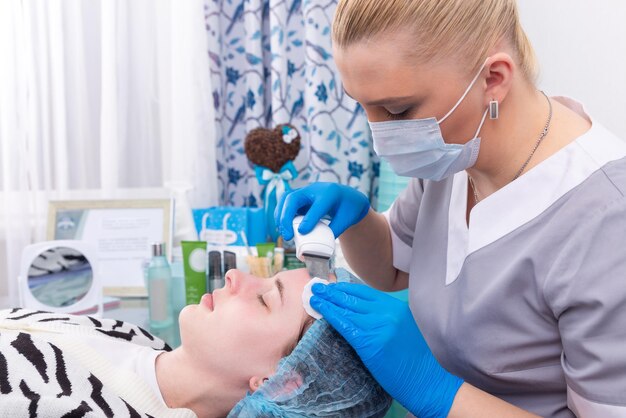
{"x":527,"y":197}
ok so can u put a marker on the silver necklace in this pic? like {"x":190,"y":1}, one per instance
{"x":544,"y":133}
{"x":471,"y":182}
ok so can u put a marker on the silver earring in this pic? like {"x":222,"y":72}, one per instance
{"x":494,"y":110}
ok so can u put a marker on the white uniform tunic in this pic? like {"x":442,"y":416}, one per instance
{"x":529,"y":302}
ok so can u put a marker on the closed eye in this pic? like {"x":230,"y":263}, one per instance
{"x":262,"y":301}
{"x":395,"y":116}
{"x":280,"y":287}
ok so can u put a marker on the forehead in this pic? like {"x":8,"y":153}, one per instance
{"x":382,"y":67}
{"x":294,"y":280}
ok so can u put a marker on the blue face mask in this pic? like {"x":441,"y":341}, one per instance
{"x":415,"y":148}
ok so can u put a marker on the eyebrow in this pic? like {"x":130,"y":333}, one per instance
{"x":281,"y":289}
{"x":387,"y":100}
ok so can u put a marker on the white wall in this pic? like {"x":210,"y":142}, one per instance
{"x":581,"y":46}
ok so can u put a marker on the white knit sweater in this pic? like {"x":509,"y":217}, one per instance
{"x":44,"y":372}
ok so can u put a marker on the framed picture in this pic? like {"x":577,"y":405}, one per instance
{"x":123,"y":231}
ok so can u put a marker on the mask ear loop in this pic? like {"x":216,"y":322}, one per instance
{"x":465,"y":94}
{"x":482,"y":122}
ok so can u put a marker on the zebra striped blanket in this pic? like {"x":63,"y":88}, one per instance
{"x":44,"y":372}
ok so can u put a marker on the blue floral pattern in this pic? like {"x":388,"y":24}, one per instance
{"x":271,"y":63}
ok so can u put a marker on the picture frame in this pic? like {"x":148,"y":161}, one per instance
{"x":122,"y":230}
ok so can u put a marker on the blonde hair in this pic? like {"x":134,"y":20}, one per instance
{"x":466,"y":29}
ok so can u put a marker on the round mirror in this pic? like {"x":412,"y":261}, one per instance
{"x":60,"y":276}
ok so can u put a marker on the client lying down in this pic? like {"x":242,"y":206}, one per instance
{"x":248,"y":350}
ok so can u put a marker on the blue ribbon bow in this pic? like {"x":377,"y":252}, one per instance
{"x":276,"y":184}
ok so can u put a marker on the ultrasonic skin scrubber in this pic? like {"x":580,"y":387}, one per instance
{"x":315,"y":250}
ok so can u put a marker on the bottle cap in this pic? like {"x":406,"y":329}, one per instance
{"x":230,"y":261}
{"x":215,"y":264}
{"x":158,"y":249}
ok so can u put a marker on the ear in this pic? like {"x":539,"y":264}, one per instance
{"x":256,"y":382}
{"x":501,"y":70}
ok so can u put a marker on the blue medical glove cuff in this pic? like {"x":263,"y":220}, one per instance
{"x":433,"y":392}
{"x":418,"y":381}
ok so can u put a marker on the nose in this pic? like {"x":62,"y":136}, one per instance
{"x":238,"y":282}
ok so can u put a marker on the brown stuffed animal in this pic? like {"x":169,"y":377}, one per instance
{"x":273,"y":148}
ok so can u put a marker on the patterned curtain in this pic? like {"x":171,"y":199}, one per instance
{"x":271,"y":63}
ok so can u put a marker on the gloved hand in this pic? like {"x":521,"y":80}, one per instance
{"x":345,"y":205}
{"x":383,"y":332}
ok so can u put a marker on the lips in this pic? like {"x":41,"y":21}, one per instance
{"x":207,"y":301}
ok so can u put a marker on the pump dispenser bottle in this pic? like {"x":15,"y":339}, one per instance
{"x":159,"y":279}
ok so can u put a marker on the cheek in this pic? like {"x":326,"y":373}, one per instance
{"x":237,"y":323}
{"x":373,"y":115}
{"x":262,"y":337}
{"x":461,"y":126}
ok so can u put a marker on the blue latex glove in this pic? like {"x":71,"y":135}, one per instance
{"x":346,"y":206}
{"x":383,"y":332}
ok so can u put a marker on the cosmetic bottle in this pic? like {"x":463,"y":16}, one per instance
{"x":230,"y":261}
{"x":215,"y":278}
{"x":195,"y":267}
{"x":159,"y":290}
